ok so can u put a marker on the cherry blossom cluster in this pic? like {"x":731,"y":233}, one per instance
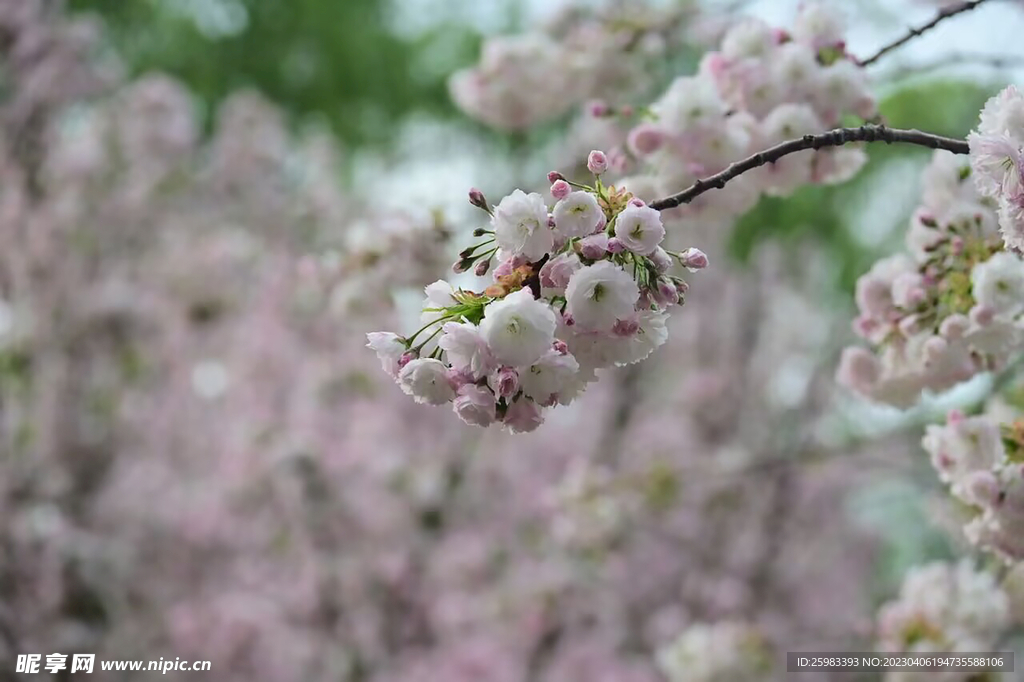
{"x":764,"y":86}
{"x":997,"y":161}
{"x":716,"y":652}
{"x":582,"y":286}
{"x":582,"y":54}
{"x":982,"y":461}
{"x":946,"y":311}
{"x":946,"y":608}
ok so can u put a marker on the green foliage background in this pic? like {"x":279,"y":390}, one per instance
{"x":336,"y":59}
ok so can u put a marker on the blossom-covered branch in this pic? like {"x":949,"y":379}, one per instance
{"x":912,"y":33}
{"x":833,"y":138}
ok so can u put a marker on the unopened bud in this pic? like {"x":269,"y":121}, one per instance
{"x":482,"y":267}
{"x":594,"y":247}
{"x":599,"y":108}
{"x":693,"y":259}
{"x":560,"y":189}
{"x":615,"y":245}
{"x":666,"y":293}
{"x":555,"y":176}
{"x":597,"y":162}
{"x":477,"y":198}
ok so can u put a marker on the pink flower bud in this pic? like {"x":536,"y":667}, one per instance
{"x":594,"y":247}
{"x":637,"y":201}
{"x":666,"y":293}
{"x":597,"y":162}
{"x":407,"y":357}
{"x":482,"y":267}
{"x":560,"y":347}
{"x":476,"y":197}
{"x":615,"y":246}
{"x":693,"y":259}
{"x":460,"y":266}
{"x":555,"y":176}
{"x":599,"y":108}
{"x":560,"y":189}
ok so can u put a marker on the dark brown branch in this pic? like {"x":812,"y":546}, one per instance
{"x":833,"y":138}
{"x":944,"y":14}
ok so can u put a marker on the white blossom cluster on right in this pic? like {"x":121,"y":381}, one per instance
{"x":997,"y":158}
{"x":982,"y":461}
{"x":943,"y":608}
{"x":946,"y":311}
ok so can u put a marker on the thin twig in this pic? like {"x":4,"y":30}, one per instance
{"x":957,"y":59}
{"x":912,"y":33}
{"x":833,"y":138}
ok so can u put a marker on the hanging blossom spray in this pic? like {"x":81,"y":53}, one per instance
{"x":578,"y":288}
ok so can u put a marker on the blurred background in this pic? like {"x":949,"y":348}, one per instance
{"x":206,"y":204}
